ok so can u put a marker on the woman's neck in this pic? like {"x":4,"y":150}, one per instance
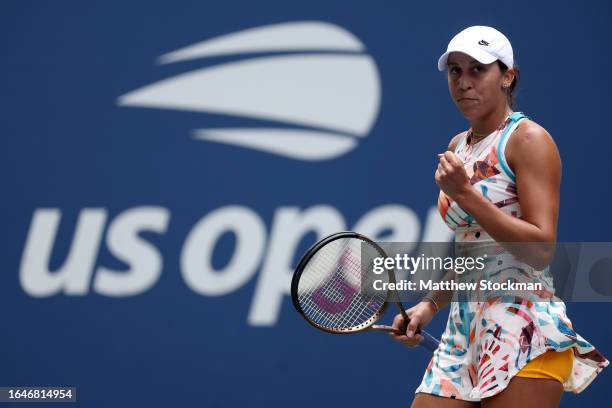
{"x":487,"y":124}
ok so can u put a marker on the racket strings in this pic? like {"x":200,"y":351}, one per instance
{"x":330,"y":287}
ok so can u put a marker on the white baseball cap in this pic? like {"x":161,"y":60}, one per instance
{"x":484,"y":44}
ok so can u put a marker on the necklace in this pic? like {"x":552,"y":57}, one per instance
{"x":474,"y":138}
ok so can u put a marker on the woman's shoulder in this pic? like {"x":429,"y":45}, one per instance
{"x":529,"y":129}
{"x":530,"y":135}
{"x":530,"y":141}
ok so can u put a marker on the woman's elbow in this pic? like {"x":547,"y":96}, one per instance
{"x":538,"y":255}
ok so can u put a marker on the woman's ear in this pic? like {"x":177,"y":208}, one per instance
{"x":508,"y":78}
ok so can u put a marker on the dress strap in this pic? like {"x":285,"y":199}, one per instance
{"x":512,"y":124}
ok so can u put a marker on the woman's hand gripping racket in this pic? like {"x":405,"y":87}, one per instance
{"x":334,"y":294}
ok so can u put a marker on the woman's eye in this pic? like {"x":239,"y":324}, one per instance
{"x":454,"y":70}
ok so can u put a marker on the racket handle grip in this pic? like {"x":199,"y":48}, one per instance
{"x":429,"y":341}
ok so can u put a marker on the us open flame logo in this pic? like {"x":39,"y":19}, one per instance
{"x":321,"y":88}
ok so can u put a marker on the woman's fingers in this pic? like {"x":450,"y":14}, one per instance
{"x":399,"y":323}
{"x":407,"y":329}
{"x":408,"y":341}
{"x":413,"y":326}
{"x":450,"y":162}
{"x":445,"y":165}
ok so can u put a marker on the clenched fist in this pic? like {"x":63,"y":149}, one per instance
{"x":451,"y":176}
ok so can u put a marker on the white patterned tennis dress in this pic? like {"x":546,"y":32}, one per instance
{"x":486,"y":343}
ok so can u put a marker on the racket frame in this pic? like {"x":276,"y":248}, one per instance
{"x":308,"y":256}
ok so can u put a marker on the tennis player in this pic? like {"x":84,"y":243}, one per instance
{"x":499,"y":183}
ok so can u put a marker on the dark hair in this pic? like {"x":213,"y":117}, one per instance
{"x":511,"y":90}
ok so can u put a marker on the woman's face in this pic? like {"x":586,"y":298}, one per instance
{"x":476,"y":88}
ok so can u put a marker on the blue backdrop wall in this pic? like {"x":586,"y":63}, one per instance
{"x":165,"y":163}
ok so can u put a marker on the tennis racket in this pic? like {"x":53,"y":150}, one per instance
{"x":330,"y":289}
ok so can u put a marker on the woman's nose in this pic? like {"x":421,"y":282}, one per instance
{"x":464,"y":83}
